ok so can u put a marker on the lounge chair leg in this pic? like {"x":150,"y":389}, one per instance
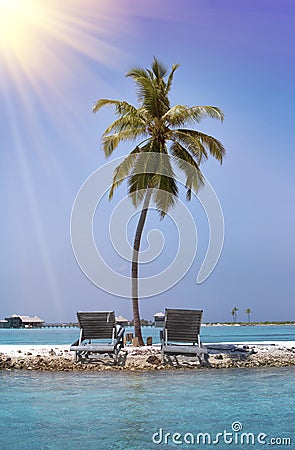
{"x":176,"y":360}
{"x":204,"y":361}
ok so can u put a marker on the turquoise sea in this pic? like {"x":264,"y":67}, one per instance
{"x":115,"y":410}
{"x":223,"y":409}
{"x":66,"y":336}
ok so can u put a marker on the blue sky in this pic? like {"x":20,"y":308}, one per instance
{"x":235,"y":55}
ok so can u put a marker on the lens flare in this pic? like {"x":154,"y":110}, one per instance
{"x":18,"y":18}
{"x":41,"y":40}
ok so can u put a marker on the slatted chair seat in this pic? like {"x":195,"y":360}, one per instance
{"x":181,"y":334}
{"x":98,"y":335}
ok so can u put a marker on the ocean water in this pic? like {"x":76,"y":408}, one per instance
{"x":143,"y":411}
{"x":66,"y":336}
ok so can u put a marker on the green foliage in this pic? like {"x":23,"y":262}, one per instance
{"x":154,"y":126}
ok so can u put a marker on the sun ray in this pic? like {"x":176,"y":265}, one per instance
{"x":43,"y":40}
{"x":48,"y":46}
{"x":24,"y":22}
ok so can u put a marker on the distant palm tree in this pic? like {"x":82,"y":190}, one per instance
{"x":155,"y":123}
{"x":249,"y":312}
{"x":234,"y":313}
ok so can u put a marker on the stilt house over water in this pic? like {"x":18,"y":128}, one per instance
{"x":16,"y":321}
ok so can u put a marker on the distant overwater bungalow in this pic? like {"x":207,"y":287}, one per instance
{"x":16,"y":321}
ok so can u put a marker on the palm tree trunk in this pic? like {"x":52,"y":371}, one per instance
{"x":134,"y":271}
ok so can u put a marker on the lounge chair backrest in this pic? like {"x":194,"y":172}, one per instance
{"x":97,"y":325}
{"x":182,"y":325}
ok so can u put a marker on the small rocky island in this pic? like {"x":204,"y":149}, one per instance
{"x":221,"y":356}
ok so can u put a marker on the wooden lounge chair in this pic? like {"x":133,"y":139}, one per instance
{"x":98,"y":335}
{"x":181,"y":334}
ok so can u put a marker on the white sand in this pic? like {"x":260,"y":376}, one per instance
{"x":283,"y":344}
{"x":18,"y":350}
{"x":44,"y":350}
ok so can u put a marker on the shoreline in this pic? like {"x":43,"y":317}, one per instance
{"x":221,"y":356}
{"x":204,"y":324}
{"x":246,"y":324}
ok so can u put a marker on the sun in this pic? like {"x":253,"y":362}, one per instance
{"x":41,"y":41}
{"x":39,"y":34}
{"x":19,"y":19}
{"x":66,"y":21}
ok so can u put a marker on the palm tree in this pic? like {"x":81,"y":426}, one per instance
{"x":234,"y":313}
{"x":249,"y":312}
{"x":158,"y":129}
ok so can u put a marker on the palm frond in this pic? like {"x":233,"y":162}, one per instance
{"x":180,"y":115}
{"x":202,"y":112}
{"x":151,"y":88}
{"x":148,"y":160}
{"x":123,"y":170}
{"x":142,"y":171}
{"x":164,"y":185}
{"x":170,"y":78}
{"x":111,"y":142}
{"x":148,"y":96}
{"x":138,"y":72}
{"x":191,"y":142}
{"x":138,"y":183}
{"x":186,"y":163}
{"x":159,"y":69}
{"x":214,"y":146}
{"x":166,"y":194}
{"x":121,"y":108}
{"x":152,"y":97}
{"x":153,"y":169}
{"x":126,"y":123}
